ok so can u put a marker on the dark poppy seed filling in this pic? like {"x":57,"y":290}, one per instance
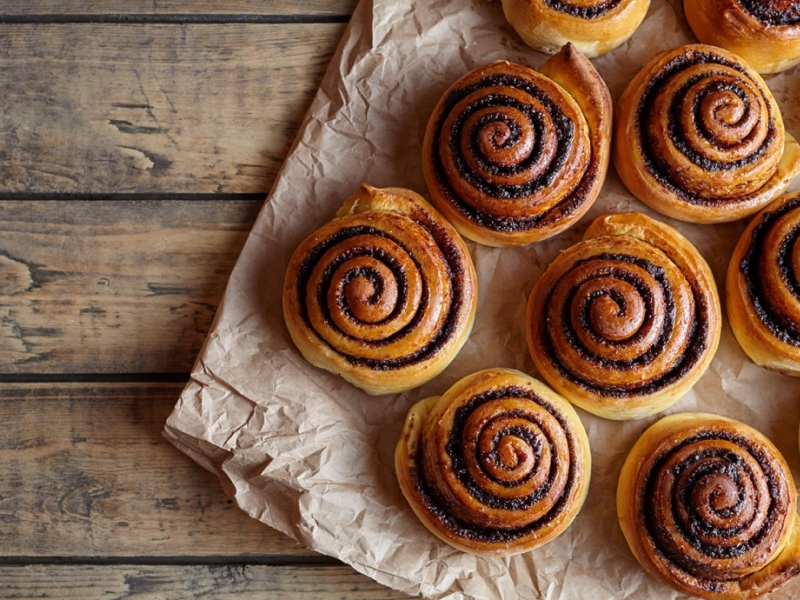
{"x":783,"y":329}
{"x":678,"y":135}
{"x":455,"y":271}
{"x":697,"y":334}
{"x":535,"y":437}
{"x":646,"y":295}
{"x":677,"y":67}
{"x":486,"y":162}
{"x":597,"y":9}
{"x":375,"y":278}
{"x":467,"y":131}
{"x":564,"y":127}
{"x":773,"y":12}
{"x":722,"y":494}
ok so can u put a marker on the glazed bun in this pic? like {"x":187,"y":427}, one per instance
{"x":708,"y":507}
{"x":384,"y":294}
{"x":699,"y":137}
{"x":762,"y":290}
{"x":625,"y":322}
{"x":498,"y":465}
{"x":513,"y":156}
{"x":593,"y":26}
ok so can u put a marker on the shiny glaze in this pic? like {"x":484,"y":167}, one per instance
{"x":697,"y":334}
{"x":654,"y":162}
{"x":556,"y":143}
{"x":725,"y":496}
{"x":441,"y":507}
{"x":455,"y":269}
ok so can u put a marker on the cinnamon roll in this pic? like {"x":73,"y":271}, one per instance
{"x":699,"y":137}
{"x":763,"y":287}
{"x":383,"y":295}
{"x":594,"y":26}
{"x":708,"y":507}
{"x":512,"y":156}
{"x":765,"y":33}
{"x":498,"y":465}
{"x":626,"y":321}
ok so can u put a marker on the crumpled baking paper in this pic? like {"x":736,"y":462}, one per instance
{"x":310,"y":455}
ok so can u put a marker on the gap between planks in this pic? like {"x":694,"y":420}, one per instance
{"x":171,"y":19}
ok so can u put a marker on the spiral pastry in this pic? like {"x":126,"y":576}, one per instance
{"x":593,"y":26}
{"x":699,"y":137}
{"x":498,"y":465}
{"x":384,"y":295}
{"x":512,"y":156}
{"x":626,"y":321}
{"x":765,"y":33}
{"x":763,"y":287}
{"x":708,"y":506}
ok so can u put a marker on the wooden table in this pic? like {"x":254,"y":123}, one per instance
{"x":138,"y":140}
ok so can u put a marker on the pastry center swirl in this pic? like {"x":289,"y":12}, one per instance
{"x":707,"y":129}
{"x":511,"y":462}
{"x":508,"y":149}
{"x":369,"y":292}
{"x":382,"y":293}
{"x":624,"y":323}
{"x":715,"y":496}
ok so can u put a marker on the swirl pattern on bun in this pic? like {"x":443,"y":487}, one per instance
{"x":383,"y":295}
{"x":708,"y":506}
{"x":593,"y":26}
{"x":765,"y":33}
{"x":626,"y":321}
{"x":763,"y":287}
{"x":512,"y":155}
{"x":699,"y":137}
{"x":498,"y":465}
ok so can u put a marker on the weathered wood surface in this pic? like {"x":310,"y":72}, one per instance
{"x":86,"y":474}
{"x":237,"y":582}
{"x":138,"y":140}
{"x":113,"y":287}
{"x":121,"y":108}
{"x":203,"y":8}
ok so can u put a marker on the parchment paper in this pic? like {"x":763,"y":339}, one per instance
{"x":309,"y":454}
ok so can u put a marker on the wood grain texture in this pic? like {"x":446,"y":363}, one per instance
{"x":113,"y":287}
{"x":87,"y":474}
{"x":191,"y":108}
{"x":237,"y":582}
{"x":136,"y":148}
{"x":194,"y":7}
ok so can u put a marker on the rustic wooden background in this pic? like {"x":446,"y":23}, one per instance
{"x":138,"y":140}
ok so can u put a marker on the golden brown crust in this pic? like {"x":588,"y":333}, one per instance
{"x":384,"y":294}
{"x":498,"y":465}
{"x":594,"y":27}
{"x":512,"y":156}
{"x":625,"y":322}
{"x":762,"y":293}
{"x":699,"y":137}
{"x":765,"y":34}
{"x":708,"y":507}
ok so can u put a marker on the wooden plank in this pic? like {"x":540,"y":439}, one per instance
{"x":166,"y":7}
{"x":86,"y":473}
{"x":104,"y":108}
{"x":113,"y":287}
{"x":237,"y":582}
